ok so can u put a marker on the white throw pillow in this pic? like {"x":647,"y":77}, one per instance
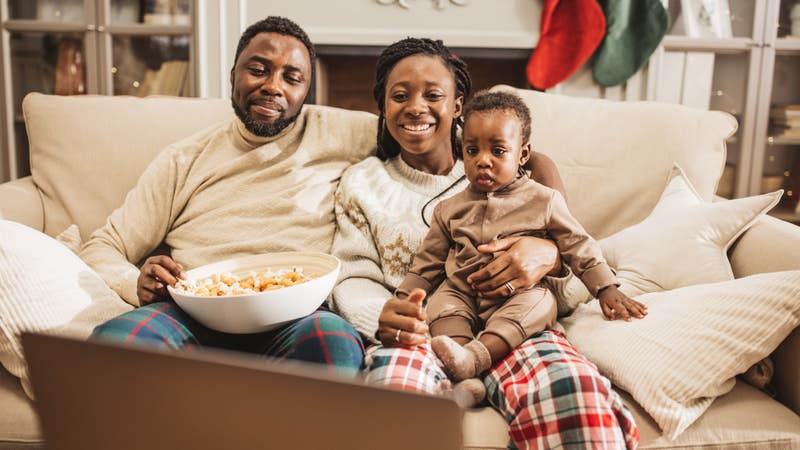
{"x":44,"y":287}
{"x":692,"y":344}
{"x":684,"y":241}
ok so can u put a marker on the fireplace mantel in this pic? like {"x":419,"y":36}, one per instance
{"x":485,"y":26}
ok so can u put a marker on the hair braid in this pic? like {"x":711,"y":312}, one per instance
{"x":389,"y":57}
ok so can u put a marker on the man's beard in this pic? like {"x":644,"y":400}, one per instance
{"x":260,"y":128}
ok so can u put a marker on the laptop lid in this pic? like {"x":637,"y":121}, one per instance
{"x":93,"y":396}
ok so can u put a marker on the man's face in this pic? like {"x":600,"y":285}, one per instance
{"x":269,"y":82}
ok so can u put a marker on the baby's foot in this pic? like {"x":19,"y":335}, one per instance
{"x":461,"y":362}
{"x":469,"y":393}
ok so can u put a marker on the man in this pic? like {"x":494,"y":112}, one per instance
{"x":263,"y":182}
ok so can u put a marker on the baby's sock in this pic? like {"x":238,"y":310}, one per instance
{"x":469,"y":393}
{"x":460,"y":362}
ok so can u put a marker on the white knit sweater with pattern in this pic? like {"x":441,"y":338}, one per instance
{"x":379,"y":227}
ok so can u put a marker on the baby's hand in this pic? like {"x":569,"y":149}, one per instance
{"x":616,"y":304}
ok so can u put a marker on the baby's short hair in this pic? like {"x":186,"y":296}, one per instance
{"x":501,"y":101}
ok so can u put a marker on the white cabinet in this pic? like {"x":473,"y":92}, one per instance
{"x":72,"y":47}
{"x":748,"y":70}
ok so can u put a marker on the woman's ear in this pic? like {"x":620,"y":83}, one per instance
{"x":459,"y":107}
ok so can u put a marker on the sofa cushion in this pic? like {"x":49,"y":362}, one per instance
{"x":19,"y":426}
{"x":88,"y":151}
{"x":44,"y":287}
{"x":744,"y":418}
{"x":698,"y":234}
{"x":615,"y":156}
{"x":692,"y":344}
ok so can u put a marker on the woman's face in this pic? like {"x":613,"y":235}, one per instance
{"x":421,"y":105}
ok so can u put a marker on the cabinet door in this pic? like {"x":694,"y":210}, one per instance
{"x":776,"y":157}
{"x":711,"y":59}
{"x":146,"y":47}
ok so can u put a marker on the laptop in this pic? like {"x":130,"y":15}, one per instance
{"x":101,"y":396}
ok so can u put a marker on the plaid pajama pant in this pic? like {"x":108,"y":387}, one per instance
{"x":551,"y":396}
{"x":321,"y":337}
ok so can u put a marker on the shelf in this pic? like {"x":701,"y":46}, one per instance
{"x":783,"y":140}
{"x":37,"y":26}
{"x":787,"y":45}
{"x":785,"y":213}
{"x":733,"y":45}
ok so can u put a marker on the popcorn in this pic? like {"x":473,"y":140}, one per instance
{"x":227,"y":284}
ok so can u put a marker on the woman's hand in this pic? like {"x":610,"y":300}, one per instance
{"x":524,"y":261}
{"x":402,"y":321}
{"x":156,"y":273}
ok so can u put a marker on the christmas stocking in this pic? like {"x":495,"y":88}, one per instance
{"x":569,"y":33}
{"x":635,"y":28}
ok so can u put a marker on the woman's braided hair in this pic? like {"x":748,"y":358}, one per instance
{"x":391,"y":55}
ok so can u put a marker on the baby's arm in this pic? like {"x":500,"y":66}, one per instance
{"x":584,"y":256}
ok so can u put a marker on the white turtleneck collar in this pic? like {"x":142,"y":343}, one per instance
{"x":251,"y":141}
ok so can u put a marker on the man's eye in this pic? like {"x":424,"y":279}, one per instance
{"x":294,"y":80}
{"x":257,"y":71}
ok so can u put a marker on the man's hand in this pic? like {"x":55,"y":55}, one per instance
{"x":523,"y":263}
{"x":402,"y":321}
{"x":156,"y":273}
{"x":616,"y":304}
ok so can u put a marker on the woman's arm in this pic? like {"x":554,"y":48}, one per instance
{"x":544,"y":171}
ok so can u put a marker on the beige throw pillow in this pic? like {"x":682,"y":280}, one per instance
{"x":692,"y":344}
{"x":684,"y":241}
{"x":44,"y":287}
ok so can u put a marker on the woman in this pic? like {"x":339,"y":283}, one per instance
{"x":550,"y":395}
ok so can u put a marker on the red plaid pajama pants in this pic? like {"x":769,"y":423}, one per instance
{"x":550,"y":395}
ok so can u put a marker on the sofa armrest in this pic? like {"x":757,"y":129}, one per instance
{"x":773,"y":245}
{"x":21,"y":202}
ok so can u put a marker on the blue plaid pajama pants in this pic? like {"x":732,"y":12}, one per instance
{"x":321,"y":337}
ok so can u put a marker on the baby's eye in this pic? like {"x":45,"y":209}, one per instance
{"x":497,"y":151}
{"x":471,"y":151}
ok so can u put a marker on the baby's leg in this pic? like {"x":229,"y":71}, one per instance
{"x":526,"y":313}
{"x":451,"y":313}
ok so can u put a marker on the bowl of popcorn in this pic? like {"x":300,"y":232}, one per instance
{"x":256,"y":293}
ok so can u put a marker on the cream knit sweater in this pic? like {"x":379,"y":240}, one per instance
{"x":224,"y":193}
{"x":379,"y":229}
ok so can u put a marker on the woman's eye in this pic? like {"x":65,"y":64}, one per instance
{"x":399,"y":97}
{"x":434,"y":96}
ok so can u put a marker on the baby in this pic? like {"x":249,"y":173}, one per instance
{"x":500,"y":202}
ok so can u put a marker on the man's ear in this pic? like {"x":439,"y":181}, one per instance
{"x":524,"y":154}
{"x":233,"y":70}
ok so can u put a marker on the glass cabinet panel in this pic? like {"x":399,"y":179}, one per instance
{"x":47,"y":10}
{"x":781,"y":165}
{"x":718,"y":19}
{"x":151,"y":12}
{"x":789,"y":19}
{"x":51,"y":63}
{"x":151,"y":65}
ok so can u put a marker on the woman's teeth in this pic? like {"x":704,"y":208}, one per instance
{"x":420,"y":127}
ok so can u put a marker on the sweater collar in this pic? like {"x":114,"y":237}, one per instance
{"x":423,"y":181}
{"x":250,"y":141}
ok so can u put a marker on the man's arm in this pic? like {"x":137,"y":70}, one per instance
{"x":134,"y":229}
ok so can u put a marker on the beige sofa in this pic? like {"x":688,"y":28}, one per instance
{"x":86,"y":152}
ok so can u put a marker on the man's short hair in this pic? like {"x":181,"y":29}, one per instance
{"x":280,"y":25}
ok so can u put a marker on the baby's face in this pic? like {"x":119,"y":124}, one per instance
{"x":493,"y":149}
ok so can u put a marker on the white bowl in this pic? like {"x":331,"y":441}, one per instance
{"x":254,"y":313}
